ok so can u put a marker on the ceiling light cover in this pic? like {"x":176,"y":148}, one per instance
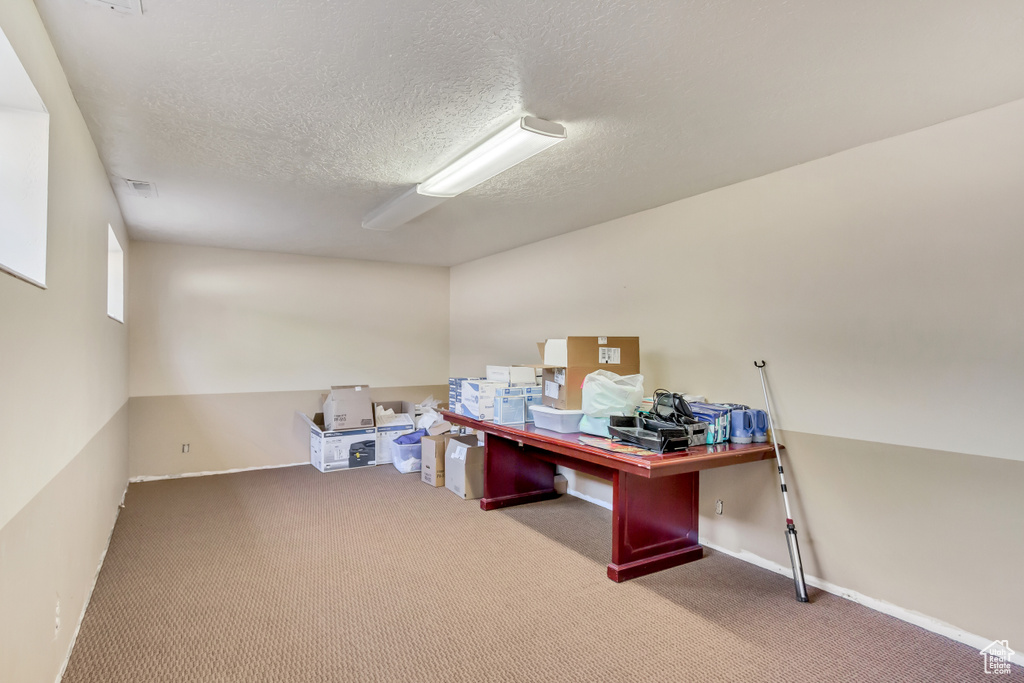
{"x":513,"y":144}
{"x":400,"y":210}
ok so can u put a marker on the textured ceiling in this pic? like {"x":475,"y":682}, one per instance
{"x":277,"y":125}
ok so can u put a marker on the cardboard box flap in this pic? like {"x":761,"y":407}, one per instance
{"x":316,"y":422}
{"x":556,"y":353}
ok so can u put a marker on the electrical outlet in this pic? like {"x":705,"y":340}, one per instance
{"x":719,"y":506}
{"x":184,"y":448}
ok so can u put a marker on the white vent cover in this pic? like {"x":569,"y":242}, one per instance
{"x":122,"y":6}
{"x":141,"y":188}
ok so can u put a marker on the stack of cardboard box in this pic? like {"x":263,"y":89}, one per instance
{"x":475,"y":396}
{"x":568,"y":361}
{"x":455,"y":462}
{"x":345,"y":436}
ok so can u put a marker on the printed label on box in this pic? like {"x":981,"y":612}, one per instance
{"x":551,"y":389}
{"x":559,"y":377}
{"x":602,"y":340}
{"x":609,"y":355}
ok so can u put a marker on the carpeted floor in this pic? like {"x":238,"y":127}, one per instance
{"x":293,"y":575}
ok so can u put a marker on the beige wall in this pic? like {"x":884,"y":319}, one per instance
{"x":63,"y":365}
{"x":50,"y":553}
{"x":232,"y":431}
{"x":883,"y":287}
{"x":226,"y":345}
{"x":213,"y":321}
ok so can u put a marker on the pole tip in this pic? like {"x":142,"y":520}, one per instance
{"x":758,"y":365}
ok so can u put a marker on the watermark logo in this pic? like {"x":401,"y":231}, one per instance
{"x":997,"y":657}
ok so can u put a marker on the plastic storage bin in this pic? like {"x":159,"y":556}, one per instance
{"x":564,"y":421}
{"x":406,"y":457}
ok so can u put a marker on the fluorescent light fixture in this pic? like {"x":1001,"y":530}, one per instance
{"x":513,"y":144}
{"x":500,"y":152}
{"x":400,"y":210}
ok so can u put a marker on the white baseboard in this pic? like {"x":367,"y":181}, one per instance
{"x":88,"y":596}
{"x":903,"y":614}
{"x":910,"y":616}
{"x":590,"y":499}
{"x":161,"y":477}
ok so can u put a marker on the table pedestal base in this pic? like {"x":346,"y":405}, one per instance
{"x":654,"y":521}
{"x":654,"y":524}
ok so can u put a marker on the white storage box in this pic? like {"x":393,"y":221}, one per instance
{"x":533,"y":396}
{"x":478,"y":398}
{"x":400,"y":426}
{"x":509,"y":410}
{"x":339,"y":450}
{"x":512,"y":374}
{"x":564,"y":421}
{"x":406,"y":457}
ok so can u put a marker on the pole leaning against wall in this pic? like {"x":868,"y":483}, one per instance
{"x":794,"y":547}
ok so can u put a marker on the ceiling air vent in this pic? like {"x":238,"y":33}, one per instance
{"x":122,"y":6}
{"x":141,"y":188}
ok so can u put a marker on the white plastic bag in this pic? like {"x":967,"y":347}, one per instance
{"x":606,"y":394}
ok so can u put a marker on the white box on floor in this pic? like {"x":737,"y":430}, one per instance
{"x":346,"y":449}
{"x":401,"y":425}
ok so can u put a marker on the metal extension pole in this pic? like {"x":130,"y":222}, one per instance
{"x":794,"y":548}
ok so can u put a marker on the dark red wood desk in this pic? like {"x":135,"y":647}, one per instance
{"x":655,"y":497}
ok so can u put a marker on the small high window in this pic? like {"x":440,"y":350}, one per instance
{"x":24,"y":162}
{"x":115,"y":277}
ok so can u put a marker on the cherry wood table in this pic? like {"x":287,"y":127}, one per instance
{"x":655,"y":497}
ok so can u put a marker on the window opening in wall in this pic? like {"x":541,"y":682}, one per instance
{"x":115,"y":277}
{"x":24,"y":162}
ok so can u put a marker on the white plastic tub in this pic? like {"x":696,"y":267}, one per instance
{"x":564,"y":421}
{"x":406,"y":457}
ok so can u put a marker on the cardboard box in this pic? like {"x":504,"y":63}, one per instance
{"x":478,"y":398}
{"x":346,"y":449}
{"x":532,"y":396}
{"x":512,"y":374}
{"x":432,"y":461}
{"x":348,"y":408}
{"x":464,"y":467}
{"x":399,"y":408}
{"x":455,"y":390}
{"x":575,"y":358}
{"x":509,"y":410}
{"x":401,"y":425}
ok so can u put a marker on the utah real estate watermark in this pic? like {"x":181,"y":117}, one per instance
{"x":997,"y":657}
